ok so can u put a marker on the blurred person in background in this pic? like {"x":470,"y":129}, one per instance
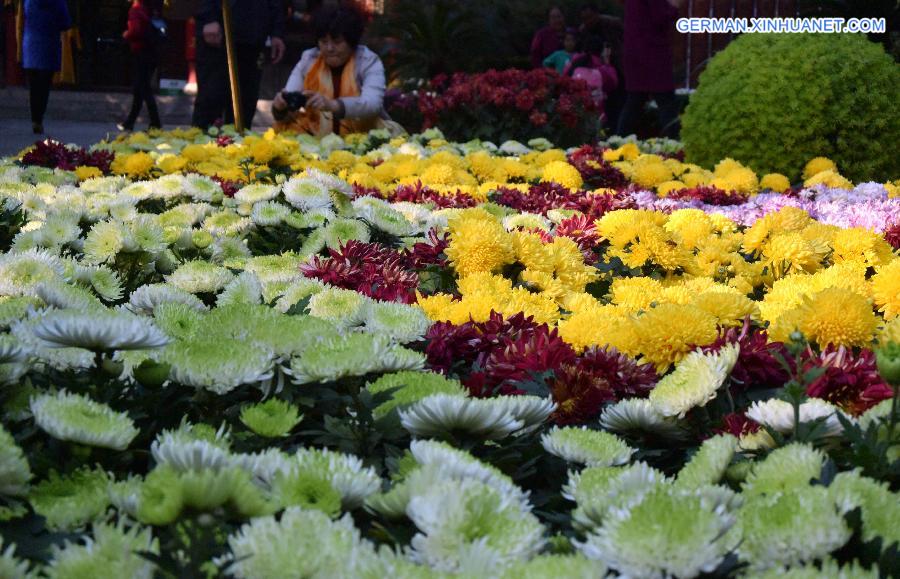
{"x":255,"y":22}
{"x":548,"y":39}
{"x":342,"y":82}
{"x":559,"y":59}
{"x":144,"y":39}
{"x":592,"y":65}
{"x":45,"y":20}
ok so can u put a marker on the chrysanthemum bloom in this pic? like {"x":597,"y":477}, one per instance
{"x":346,"y":473}
{"x":785,"y":529}
{"x":257,"y":193}
{"x":758,"y":363}
{"x":668,"y":332}
{"x":218,"y":367}
{"x":598,"y":376}
{"x":273,"y":418}
{"x":307,"y":489}
{"x":108,"y":330}
{"x":779,"y":415}
{"x":850,"y":382}
{"x":478,"y":243}
{"x":199,"y":277}
{"x":708,"y":465}
{"x":77,"y":418}
{"x":345,"y":308}
{"x":520,"y":358}
{"x":352,"y":355}
{"x":112,"y":550}
{"x":494,"y":418}
{"x":817,"y":165}
{"x":694,"y":382}
{"x":886,"y":289}
{"x":879,"y":506}
{"x":835,"y":316}
{"x":306,"y":194}
{"x":469,"y":526}
{"x":638,"y":415}
{"x":590,"y":447}
{"x":406,"y":388}
{"x":192,"y":447}
{"x":401,"y":322}
{"x":669,"y":533}
{"x":14,"y":470}
{"x":71,"y":501}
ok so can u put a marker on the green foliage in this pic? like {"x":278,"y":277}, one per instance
{"x":774,"y":102}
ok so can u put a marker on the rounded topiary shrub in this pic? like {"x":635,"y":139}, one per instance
{"x":773,"y":102}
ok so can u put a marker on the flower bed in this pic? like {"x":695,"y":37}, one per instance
{"x":274,"y":357}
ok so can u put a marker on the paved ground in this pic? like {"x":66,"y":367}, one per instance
{"x":16,"y":133}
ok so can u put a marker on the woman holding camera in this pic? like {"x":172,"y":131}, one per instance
{"x":340,"y":83}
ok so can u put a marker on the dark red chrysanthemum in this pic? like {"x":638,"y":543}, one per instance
{"x":758,"y":364}
{"x":543,"y":197}
{"x":429,"y":252}
{"x":518,"y":358}
{"x":737,"y":424}
{"x":709,"y":195}
{"x":892,"y":235}
{"x":580,"y":388}
{"x":55,"y":155}
{"x":594,"y":170}
{"x":229,"y":188}
{"x":850,"y":382}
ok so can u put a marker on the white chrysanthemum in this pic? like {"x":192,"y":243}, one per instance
{"x":352,"y":355}
{"x":491,"y":419}
{"x":59,"y":229}
{"x":341,"y":230}
{"x":105,"y":240}
{"x":146,"y":298}
{"x":202,"y":188}
{"x":790,"y":528}
{"x":708,"y":465}
{"x":61,"y":295}
{"x":269,"y":213}
{"x":14,"y":470}
{"x":779,"y":415}
{"x":243,"y":289}
{"x":401,"y":322}
{"x":599,"y":489}
{"x":12,"y":350}
{"x":639,"y":415}
{"x":138,"y":191}
{"x":466,"y":525}
{"x":667,"y":534}
{"x":513,"y":148}
{"x":77,"y":418}
{"x":95,"y":330}
{"x":590,"y":447}
{"x":109,"y":551}
{"x":147,"y":233}
{"x":200,"y":277}
{"x":382,"y":216}
{"x":58,"y":358}
{"x":11,"y":567}
{"x":526,"y":221}
{"x":417,"y":215}
{"x":330,"y":182}
{"x":306,"y":194}
{"x":218,"y":367}
{"x":183,"y":450}
{"x":106,"y":283}
{"x":346,"y":473}
{"x":256,"y":193}
{"x":343,"y":307}
{"x":263,"y":465}
{"x":226,"y":223}
{"x":21,"y":272}
{"x":694,"y":382}
{"x":168,"y":186}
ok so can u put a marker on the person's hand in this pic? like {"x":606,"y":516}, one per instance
{"x":315,"y":100}
{"x":212,"y":34}
{"x":278,"y":103}
{"x":277,"y":49}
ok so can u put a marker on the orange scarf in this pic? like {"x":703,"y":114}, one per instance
{"x":321,"y":123}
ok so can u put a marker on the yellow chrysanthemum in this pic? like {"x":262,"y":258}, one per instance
{"x":890,"y":332}
{"x":863,"y":245}
{"x":817,"y":165}
{"x":439,"y":174}
{"x":650,"y":172}
{"x":668,"y":332}
{"x":83,"y":172}
{"x":590,"y":327}
{"x":696,"y":178}
{"x":776,"y":182}
{"x":478,"y":243}
{"x":790,"y":253}
{"x":549,"y":156}
{"x":667,"y":187}
{"x":170,"y":163}
{"x":740,"y":179}
{"x":831,"y":179}
{"x":730,"y":309}
{"x":622,"y":227}
{"x":135,"y":165}
{"x":562,"y":173}
{"x":832,"y":316}
{"x":726,"y":166}
{"x":886,"y":289}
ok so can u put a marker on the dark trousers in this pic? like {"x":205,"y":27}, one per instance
{"x":634,"y":105}
{"x":214,"y":89}
{"x":143,"y":67}
{"x":39,"y":93}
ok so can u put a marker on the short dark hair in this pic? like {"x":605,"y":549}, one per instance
{"x":341,"y":22}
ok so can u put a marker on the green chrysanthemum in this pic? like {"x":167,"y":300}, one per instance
{"x":298,"y":290}
{"x":273,"y":418}
{"x":300,"y":543}
{"x":230,"y":251}
{"x":388,"y":219}
{"x":104,"y":241}
{"x":314,"y":242}
{"x":709,"y":464}
{"x":226,"y":223}
{"x":148,"y":234}
{"x":306,"y":194}
{"x":555,"y":566}
{"x":789,"y":467}
{"x":77,"y":418}
{"x":11,"y":567}
{"x":269,"y":214}
{"x":590,"y":447}
{"x":352,"y":355}
{"x":342,"y":230}
{"x":107,"y":284}
{"x":15,"y":309}
{"x":667,"y":534}
{"x":71,"y":501}
{"x":310,"y":490}
{"x":341,"y":306}
{"x":218,"y":367}
{"x":112,"y":551}
{"x":345,"y":472}
{"x":799,"y":526}
{"x":828,"y":569}
{"x":880,"y":508}
{"x":410,"y":387}
{"x":599,"y":489}
{"x":147,"y":298}
{"x":14,"y":470}
{"x":404,"y":323}
{"x":694,"y":382}
{"x":262,"y":325}
{"x":256,"y":193}
{"x":200,"y":277}
{"x":243,"y":289}
{"x":178,"y":320}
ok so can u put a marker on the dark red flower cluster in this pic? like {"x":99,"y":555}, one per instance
{"x":737,"y":424}
{"x":224,"y":141}
{"x":709,"y":195}
{"x":419,"y":193}
{"x":892,"y":235}
{"x":429,"y":252}
{"x":580,"y":229}
{"x":55,"y":155}
{"x":850,"y":381}
{"x":581,"y":387}
{"x":588,"y":159}
{"x":369,"y":268}
{"x":543,"y":197}
{"x":229,"y":188}
{"x":758,"y":364}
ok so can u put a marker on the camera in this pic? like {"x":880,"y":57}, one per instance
{"x":295,"y":100}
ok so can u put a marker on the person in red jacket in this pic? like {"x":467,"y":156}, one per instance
{"x":142,"y":40}
{"x":548,"y":39}
{"x":647,"y":60}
